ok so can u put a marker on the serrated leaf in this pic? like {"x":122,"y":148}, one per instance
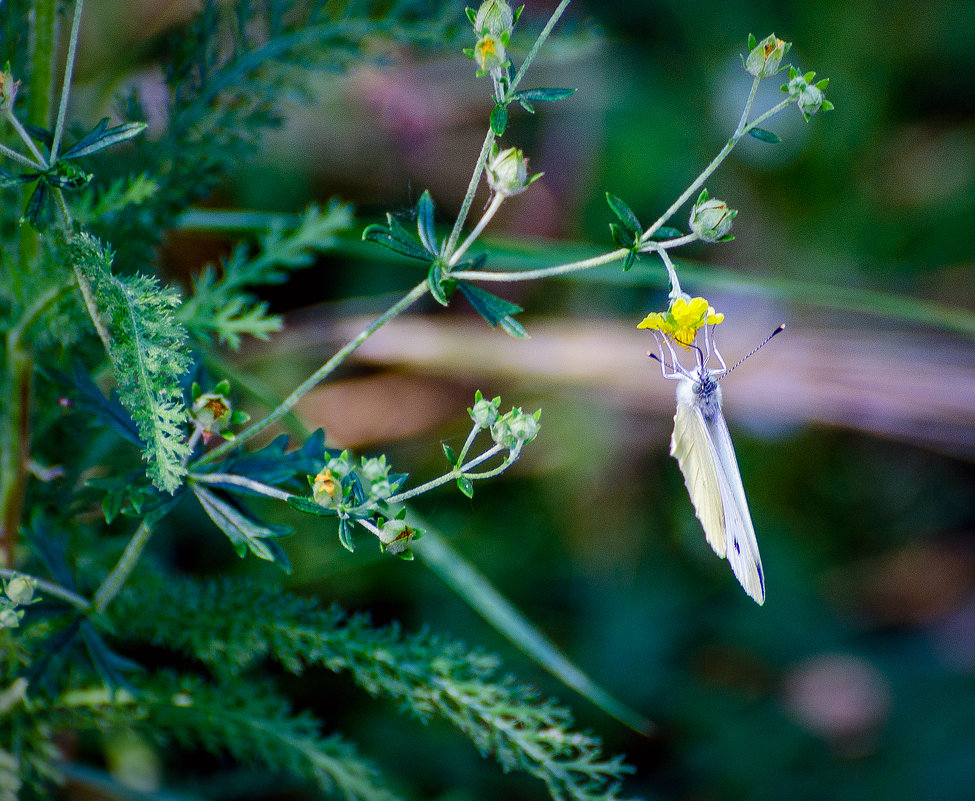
{"x":499,"y":120}
{"x":764,"y":136}
{"x":424,"y":223}
{"x":395,"y":237}
{"x":466,"y":486}
{"x":101,"y":136}
{"x":244,"y":533}
{"x":497,"y":311}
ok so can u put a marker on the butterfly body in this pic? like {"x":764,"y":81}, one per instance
{"x":702,"y":446}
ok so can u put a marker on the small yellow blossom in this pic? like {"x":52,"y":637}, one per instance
{"x":683,"y":320}
{"x":324,"y":488}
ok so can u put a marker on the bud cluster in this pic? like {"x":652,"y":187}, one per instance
{"x":808,"y":95}
{"x":17,"y":592}
{"x":515,"y":428}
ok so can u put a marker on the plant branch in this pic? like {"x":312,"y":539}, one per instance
{"x":469,"y":197}
{"x":241,"y":481}
{"x":317,"y":377}
{"x":126,"y":564}
{"x":49,"y":588}
{"x":66,"y":85}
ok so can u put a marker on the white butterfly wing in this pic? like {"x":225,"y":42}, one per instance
{"x":707,"y":459}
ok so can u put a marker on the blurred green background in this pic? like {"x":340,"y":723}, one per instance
{"x":855,"y":430}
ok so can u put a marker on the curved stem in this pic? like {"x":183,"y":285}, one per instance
{"x":539,"y":41}
{"x":542,"y":272}
{"x":315,"y":378}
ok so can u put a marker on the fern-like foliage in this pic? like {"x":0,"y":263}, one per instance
{"x":230,"y":625}
{"x":219,"y":303}
{"x":137,"y":324}
{"x":232,"y":67}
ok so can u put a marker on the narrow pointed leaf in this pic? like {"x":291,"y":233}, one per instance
{"x":345,"y":534}
{"x":308,"y":506}
{"x":666,"y":232}
{"x":484,"y":598}
{"x":395,"y":237}
{"x":101,"y":136}
{"x":465,"y":485}
{"x":629,"y":261}
{"x":764,"y":136}
{"x":244,"y":533}
{"x":424,"y":222}
{"x":625,"y":214}
{"x":543,"y":95}
{"x":490,"y":307}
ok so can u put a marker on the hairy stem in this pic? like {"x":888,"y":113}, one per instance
{"x":317,"y":377}
{"x":126,"y":564}
{"x":465,"y":207}
{"x":66,"y":84}
{"x":240,"y":481}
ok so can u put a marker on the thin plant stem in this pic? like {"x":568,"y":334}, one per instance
{"x":66,"y":85}
{"x":542,"y":272}
{"x":49,"y":588}
{"x":448,"y":477}
{"x":20,"y":158}
{"x":491,"y":210}
{"x":748,"y":106}
{"x":465,"y":207}
{"x":536,"y":47}
{"x":126,"y":564}
{"x":317,"y":377}
{"x":241,"y":481}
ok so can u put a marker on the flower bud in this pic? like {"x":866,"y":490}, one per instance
{"x":340,"y":466}
{"x":10,"y":617}
{"x":489,"y":53}
{"x":494,"y":16}
{"x":507,"y":172}
{"x":809,"y":96}
{"x":211,"y":411}
{"x":396,"y":535}
{"x":8,"y":89}
{"x":20,"y":590}
{"x":375,"y":469}
{"x":765,"y":57}
{"x":711,"y":219}
{"x":484,"y":411}
{"x":515,"y":428}
{"x":325,"y":489}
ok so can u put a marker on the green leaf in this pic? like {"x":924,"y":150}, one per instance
{"x":629,"y":261}
{"x":499,"y":119}
{"x":66,"y":176}
{"x":9,"y":179}
{"x":764,"y":136}
{"x":449,"y":453}
{"x":482,"y":596}
{"x":424,"y":223}
{"x":620,"y":236}
{"x":440,"y":288}
{"x":308,"y":506}
{"x":245,"y":533}
{"x":526,"y":104}
{"x":101,"y":136}
{"x":395,"y":237}
{"x":625,"y":214}
{"x":665,"y":232}
{"x":345,"y":534}
{"x":543,"y":95}
{"x":497,"y":311}
{"x":471,"y":15}
{"x":38,"y":213}
{"x":466,"y":486}
{"x":146,"y":345}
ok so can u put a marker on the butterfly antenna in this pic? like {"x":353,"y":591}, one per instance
{"x":756,"y":349}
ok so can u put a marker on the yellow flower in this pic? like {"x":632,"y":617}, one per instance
{"x":682,"y":320}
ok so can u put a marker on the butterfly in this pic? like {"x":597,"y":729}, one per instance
{"x":705,"y":454}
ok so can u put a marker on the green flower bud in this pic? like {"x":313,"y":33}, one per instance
{"x":765,"y":57}
{"x":489,"y":53}
{"x":494,"y":16}
{"x":484,"y":411}
{"x":341,"y":465}
{"x":211,"y":412}
{"x":10,"y":617}
{"x":507,"y":171}
{"x":809,"y":96}
{"x":711,"y":219}
{"x":20,"y":590}
{"x":396,"y":535}
{"x":375,"y":469}
{"x":515,"y":428}
{"x":8,"y":89}
{"x":326,"y":490}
